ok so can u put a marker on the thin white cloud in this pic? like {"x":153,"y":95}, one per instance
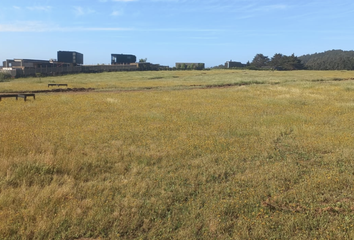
{"x":124,"y":0}
{"x":16,"y":7}
{"x":40,"y":8}
{"x":43,"y":27}
{"x":102,"y":29}
{"x":80,"y":11}
{"x":167,"y":1}
{"x":33,"y":26}
{"x":24,"y":27}
{"x":268,"y":8}
{"x":116,"y":13}
{"x":183,"y":30}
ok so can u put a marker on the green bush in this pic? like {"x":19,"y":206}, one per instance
{"x":4,"y":77}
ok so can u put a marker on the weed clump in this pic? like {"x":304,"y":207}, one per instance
{"x":5,"y":77}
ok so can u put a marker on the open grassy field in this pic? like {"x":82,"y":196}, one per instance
{"x":174,"y":155}
{"x":170,"y":80}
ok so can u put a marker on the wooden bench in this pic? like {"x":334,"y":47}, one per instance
{"x":25,"y":95}
{"x":8,"y":96}
{"x":57,"y":84}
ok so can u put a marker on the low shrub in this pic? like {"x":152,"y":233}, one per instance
{"x":4,"y":77}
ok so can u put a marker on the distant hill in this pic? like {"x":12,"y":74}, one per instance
{"x":329,"y":60}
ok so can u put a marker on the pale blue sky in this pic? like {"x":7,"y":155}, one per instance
{"x":169,"y":31}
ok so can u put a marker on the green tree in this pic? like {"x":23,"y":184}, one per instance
{"x":293,"y":63}
{"x":143,"y":60}
{"x":329,"y":60}
{"x":200,"y":66}
{"x":277,"y":61}
{"x":283,"y":62}
{"x":260,"y":61}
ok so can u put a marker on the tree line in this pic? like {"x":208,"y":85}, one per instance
{"x":277,"y":62}
{"x":329,"y":60}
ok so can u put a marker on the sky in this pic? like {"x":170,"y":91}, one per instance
{"x":170,"y":31}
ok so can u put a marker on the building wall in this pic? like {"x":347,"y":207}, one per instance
{"x":26,"y":63}
{"x":70,"y":57}
{"x":51,"y":71}
{"x":123,"y":58}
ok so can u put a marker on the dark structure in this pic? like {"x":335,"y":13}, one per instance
{"x":21,"y":95}
{"x":74,"y":58}
{"x":122,"y":59}
{"x":231,"y":64}
{"x":26,"y":63}
{"x":72,"y":62}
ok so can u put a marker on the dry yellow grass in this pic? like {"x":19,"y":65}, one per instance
{"x":171,"y":79}
{"x":270,"y":161}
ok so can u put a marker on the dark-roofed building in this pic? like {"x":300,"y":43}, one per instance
{"x":26,"y":63}
{"x":122,"y":59}
{"x":74,"y":58}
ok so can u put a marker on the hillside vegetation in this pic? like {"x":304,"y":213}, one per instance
{"x":180,"y":155}
{"x":329,"y":60}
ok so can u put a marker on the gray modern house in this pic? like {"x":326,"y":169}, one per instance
{"x":25,"y":63}
{"x":74,"y":58}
